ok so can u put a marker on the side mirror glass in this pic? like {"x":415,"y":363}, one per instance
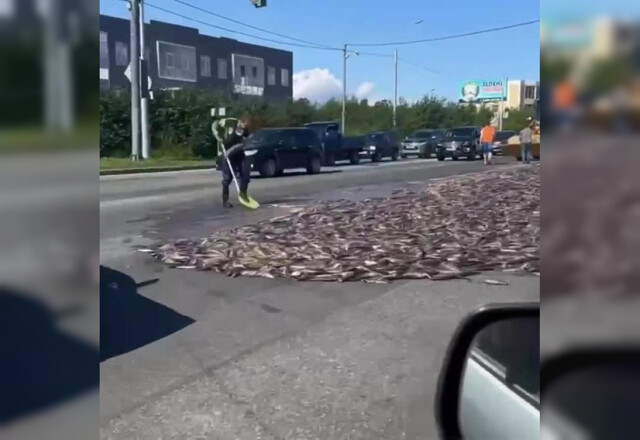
{"x":490,"y":382}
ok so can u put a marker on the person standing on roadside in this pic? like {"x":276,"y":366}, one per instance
{"x":526,"y":138}
{"x":487,"y":138}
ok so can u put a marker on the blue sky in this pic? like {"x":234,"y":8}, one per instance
{"x":511,"y":53}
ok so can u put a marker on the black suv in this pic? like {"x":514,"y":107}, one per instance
{"x":460,"y":142}
{"x":422,"y":143}
{"x":381,"y":144}
{"x":274,"y":150}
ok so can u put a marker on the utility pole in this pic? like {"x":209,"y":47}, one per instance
{"x":58,"y":82}
{"x":144,"y":88}
{"x":395,"y":90}
{"x":502,"y":102}
{"x":344,"y":89}
{"x":135,"y":80}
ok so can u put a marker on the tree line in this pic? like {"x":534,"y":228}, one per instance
{"x":180,"y":120}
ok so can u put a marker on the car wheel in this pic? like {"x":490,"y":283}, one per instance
{"x":268,"y":168}
{"x":376,"y":157}
{"x":455,"y":158}
{"x":394,"y":155}
{"x":440,"y":158}
{"x":404,"y":156}
{"x":279,"y":171}
{"x":427,"y":154}
{"x":355,"y":158}
{"x":314,"y":165}
{"x":519,"y":158}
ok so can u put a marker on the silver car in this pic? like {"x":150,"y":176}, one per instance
{"x":421,"y":143}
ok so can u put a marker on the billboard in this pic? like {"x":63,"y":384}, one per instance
{"x":482,"y":91}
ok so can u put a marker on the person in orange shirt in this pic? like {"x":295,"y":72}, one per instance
{"x":487,"y":138}
{"x":564,"y":102}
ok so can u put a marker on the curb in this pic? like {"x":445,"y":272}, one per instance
{"x":120,"y":171}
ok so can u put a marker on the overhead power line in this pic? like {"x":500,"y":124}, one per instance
{"x":257,"y":37}
{"x":448,"y":37}
{"x":198,"y":8}
{"x":402,"y":60}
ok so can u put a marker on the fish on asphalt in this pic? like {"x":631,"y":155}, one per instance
{"x":452,"y":229}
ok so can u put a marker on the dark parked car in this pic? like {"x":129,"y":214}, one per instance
{"x":335,"y":146}
{"x":274,"y":150}
{"x":460,"y":142}
{"x":502,"y":140}
{"x":422,"y":143}
{"x":381,"y":144}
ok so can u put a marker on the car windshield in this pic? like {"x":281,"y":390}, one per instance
{"x":265,"y":136}
{"x":460,"y":132}
{"x":421,"y":134}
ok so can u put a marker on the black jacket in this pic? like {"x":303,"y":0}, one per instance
{"x":236,"y":155}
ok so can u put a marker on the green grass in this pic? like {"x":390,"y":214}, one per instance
{"x":113,"y":163}
{"x":34,"y":138}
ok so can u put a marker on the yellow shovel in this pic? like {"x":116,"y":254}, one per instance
{"x":249,"y":202}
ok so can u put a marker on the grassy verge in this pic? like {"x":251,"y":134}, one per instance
{"x":126,"y":165}
{"x":36,"y":139}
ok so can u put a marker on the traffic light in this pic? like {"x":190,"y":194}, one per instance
{"x":259,"y":3}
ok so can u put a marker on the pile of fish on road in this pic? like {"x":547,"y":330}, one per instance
{"x":451,"y":229}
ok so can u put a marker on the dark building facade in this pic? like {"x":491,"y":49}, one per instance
{"x":181,"y":57}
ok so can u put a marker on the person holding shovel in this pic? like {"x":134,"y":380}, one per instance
{"x":232,"y":137}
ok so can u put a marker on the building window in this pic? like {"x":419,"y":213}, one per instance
{"x":284,"y":77}
{"x":104,"y":50}
{"x":176,"y":62}
{"x":529,"y":92}
{"x":248,"y":74}
{"x":271,"y":76}
{"x":122,"y":54}
{"x":222,"y":68}
{"x":205,"y":66}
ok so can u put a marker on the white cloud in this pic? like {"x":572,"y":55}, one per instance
{"x":320,"y":85}
{"x":364,"y":90}
{"x":317,"y":85}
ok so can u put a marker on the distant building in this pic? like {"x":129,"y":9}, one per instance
{"x":181,"y":57}
{"x":522,"y":95}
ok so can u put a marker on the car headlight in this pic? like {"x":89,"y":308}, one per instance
{"x":250,"y":152}
{"x":372,"y":148}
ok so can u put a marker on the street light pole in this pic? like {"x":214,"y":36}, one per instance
{"x":344,"y":88}
{"x":144,"y":88}
{"x":395,"y":90}
{"x":135,"y":81}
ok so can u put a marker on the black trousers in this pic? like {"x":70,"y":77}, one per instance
{"x":242,"y":171}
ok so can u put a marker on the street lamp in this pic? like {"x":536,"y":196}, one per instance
{"x":345,"y":54}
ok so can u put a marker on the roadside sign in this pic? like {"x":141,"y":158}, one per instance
{"x":127,"y":73}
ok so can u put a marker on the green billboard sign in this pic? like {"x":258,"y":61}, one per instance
{"x":482,"y":91}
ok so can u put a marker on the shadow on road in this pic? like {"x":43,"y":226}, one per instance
{"x":40,"y":366}
{"x":129,"y":320}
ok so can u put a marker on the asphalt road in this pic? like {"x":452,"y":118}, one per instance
{"x":198,"y":355}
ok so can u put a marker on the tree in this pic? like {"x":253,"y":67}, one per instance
{"x":517,"y":119}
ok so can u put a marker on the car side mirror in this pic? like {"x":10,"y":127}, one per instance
{"x":592,"y":393}
{"x":489,"y":385}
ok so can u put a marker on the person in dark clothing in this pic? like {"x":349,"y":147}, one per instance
{"x":240,"y":165}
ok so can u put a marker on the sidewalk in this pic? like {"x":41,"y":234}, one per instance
{"x":125,"y":166}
